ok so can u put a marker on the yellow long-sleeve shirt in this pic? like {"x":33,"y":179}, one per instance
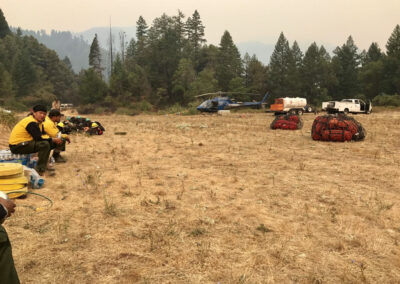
{"x":26,"y":130}
{"x":51,"y":129}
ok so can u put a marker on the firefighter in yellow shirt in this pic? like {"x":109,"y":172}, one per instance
{"x":51,"y":131}
{"x":26,"y":138}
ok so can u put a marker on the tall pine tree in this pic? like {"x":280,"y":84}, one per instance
{"x":281,"y":69}
{"x":95,"y":56}
{"x":141,"y":37}
{"x":255,"y":75}
{"x":4,"y":28}
{"x":316,"y":75}
{"x":229,"y":64}
{"x":392,"y":62}
{"x":346,"y":63}
{"x":195,"y":35}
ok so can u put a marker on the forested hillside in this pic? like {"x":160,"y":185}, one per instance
{"x":30,"y":73}
{"x":170,"y":62}
{"x":65,"y":44}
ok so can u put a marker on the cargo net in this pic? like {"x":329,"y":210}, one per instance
{"x":289,"y":122}
{"x":337,"y":128}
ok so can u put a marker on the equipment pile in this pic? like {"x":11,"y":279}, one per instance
{"x":337,"y":128}
{"x":80,"y":124}
{"x":287,"y":122}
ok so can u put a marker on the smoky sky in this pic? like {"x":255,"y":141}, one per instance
{"x":323,"y":21}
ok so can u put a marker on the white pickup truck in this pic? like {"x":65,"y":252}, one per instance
{"x":347,"y":106}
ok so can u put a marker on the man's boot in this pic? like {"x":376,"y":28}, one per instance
{"x":58,"y":158}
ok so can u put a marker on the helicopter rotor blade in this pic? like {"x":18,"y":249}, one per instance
{"x":212,"y":94}
{"x":226,"y":93}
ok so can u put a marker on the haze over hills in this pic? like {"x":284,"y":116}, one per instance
{"x":103,"y":35}
{"x":77,"y":45}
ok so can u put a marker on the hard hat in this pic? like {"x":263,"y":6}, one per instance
{"x":60,"y":124}
{"x":87,"y":119}
{"x":94,"y":124}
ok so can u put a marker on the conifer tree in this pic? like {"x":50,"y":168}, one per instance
{"x":346,"y":63}
{"x":130,"y":50}
{"x":180,"y":28}
{"x":392,"y":62}
{"x":163,"y":54}
{"x":95,"y":56}
{"x":141,"y":37}
{"x":297,"y":54}
{"x":295,"y":63}
{"x":255,"y":75}
{"x":24,"y":74}
{"x":316,"y":75}
{"x":6,"y":84}
{"x":374,"y":53}
{"x":393,"y":43}
{"x":4,"y":28}
{"x":195,"y":31}
{"x":183,"y":78}
{"x":67,"y":62}
{"x":229,"y":63}
{"x":280,"y":68}
{"x":141,"y":28}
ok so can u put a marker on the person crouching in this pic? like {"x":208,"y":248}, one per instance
{"x":52,"y":131}
{"x":26,"y":138}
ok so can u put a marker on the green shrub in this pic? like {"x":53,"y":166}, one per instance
{"x":387,"y":100}
{"x":15,"y":105}
{"x":99,"y":110}
{"x":7,"y":119}
{"x":145,"y":106}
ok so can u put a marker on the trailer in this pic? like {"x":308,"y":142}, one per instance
{"x":290,"y":105}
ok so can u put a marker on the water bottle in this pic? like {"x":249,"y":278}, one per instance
{"x":36,"y":180}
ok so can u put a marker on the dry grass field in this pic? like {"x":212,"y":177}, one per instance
{"x":216,"y":199}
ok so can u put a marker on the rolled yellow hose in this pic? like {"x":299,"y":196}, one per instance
{"x":9,"y":169}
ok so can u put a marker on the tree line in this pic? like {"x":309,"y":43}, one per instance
{"x":30,"y":73}
{"x":170,"y":62}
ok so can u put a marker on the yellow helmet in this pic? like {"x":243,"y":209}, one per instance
{"x":94,"y":124}
{"x":60,"y":124}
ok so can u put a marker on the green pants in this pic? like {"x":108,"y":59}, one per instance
{"x":8,"y":274}
{"x":40,"y":147}
{"x":57,"y":148}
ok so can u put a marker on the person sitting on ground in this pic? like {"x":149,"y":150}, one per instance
{"x":7,"y":269}
{"x":26,"y":138}
{"x":51,"y":131}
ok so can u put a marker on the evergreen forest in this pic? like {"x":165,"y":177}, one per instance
{"x":169,"y":63}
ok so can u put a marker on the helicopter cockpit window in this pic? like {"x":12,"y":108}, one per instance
{"x":206,"y":104}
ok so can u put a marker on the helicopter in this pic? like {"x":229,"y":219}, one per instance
{"x":221,"y":102}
